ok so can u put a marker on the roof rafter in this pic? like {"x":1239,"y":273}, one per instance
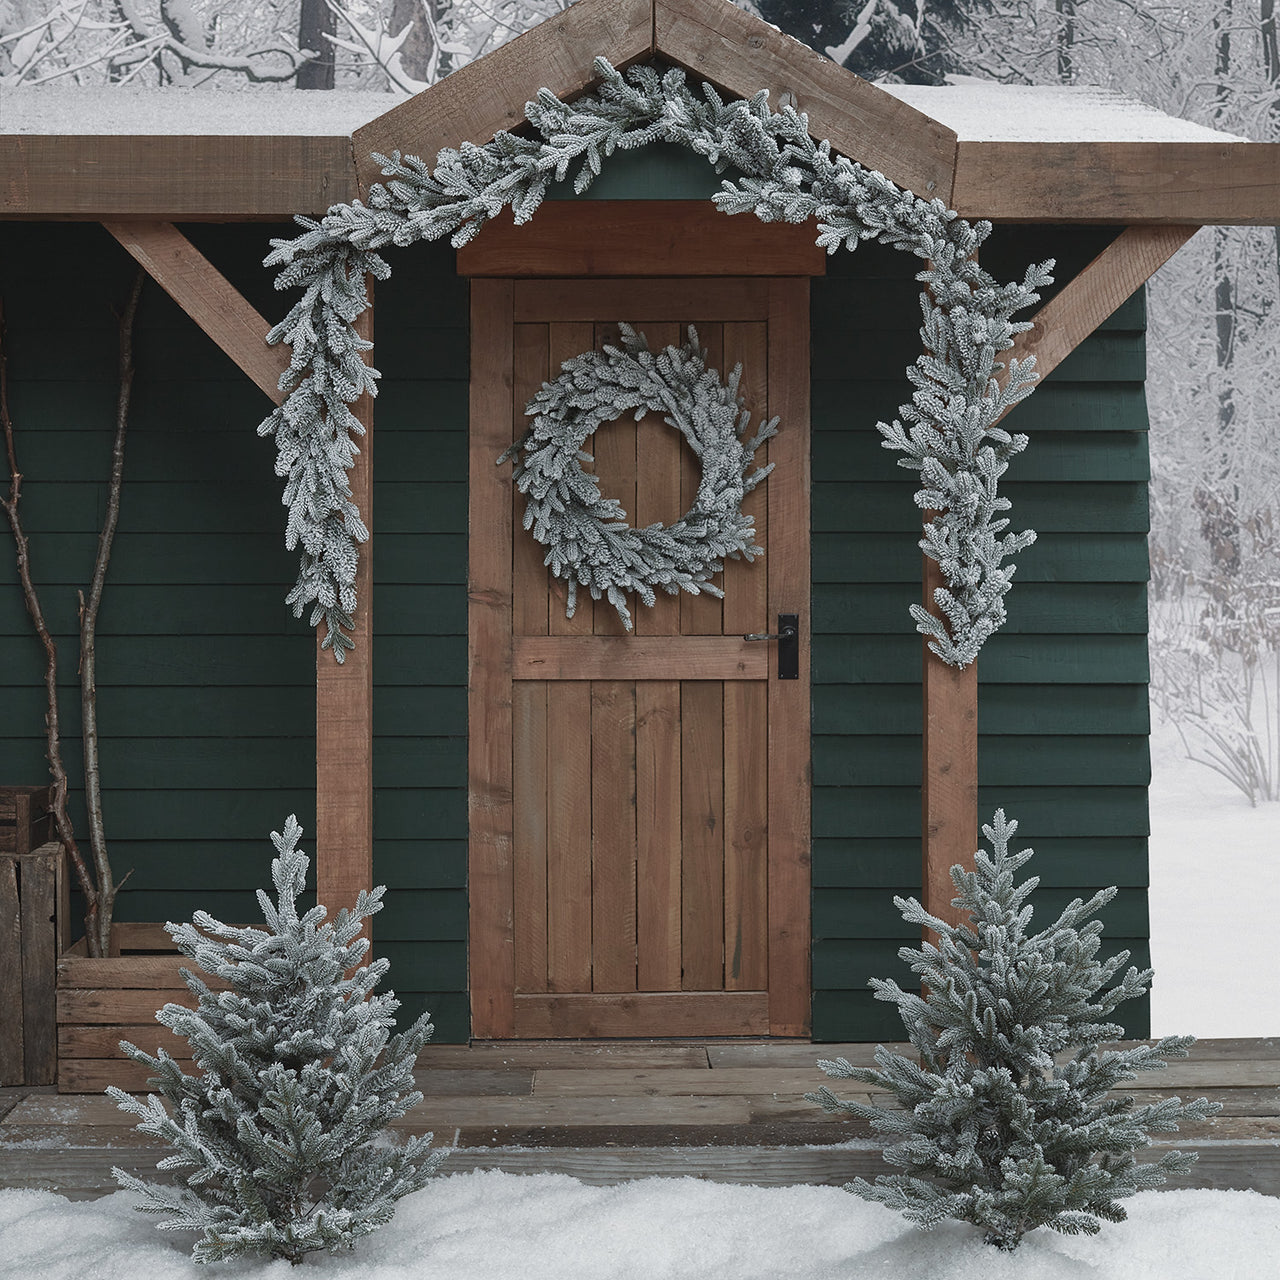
{"x":476,"y":101}
{"x":734,"y":51}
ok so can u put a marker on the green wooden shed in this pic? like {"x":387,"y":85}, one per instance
{"x":586,"y":832}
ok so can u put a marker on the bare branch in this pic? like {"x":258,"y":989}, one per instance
{"x":89,"y":624}
{"x":53,"y":742}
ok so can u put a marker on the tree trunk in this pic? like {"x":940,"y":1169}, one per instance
{"x":1224,"y":538}
{"x":1066,"y":40}
{"x":1271,"y":65}
{"x":316,"y":21}
{"x":419,"y":55}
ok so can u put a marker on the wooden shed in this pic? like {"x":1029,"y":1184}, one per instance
{"x":589,"y":833}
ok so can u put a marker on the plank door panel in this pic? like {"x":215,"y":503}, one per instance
{"x":657,"y":816}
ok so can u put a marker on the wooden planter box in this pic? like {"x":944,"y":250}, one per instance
{"x":101,"y":1002}
{"x":26,"y":821}
{"x":33,"y":915}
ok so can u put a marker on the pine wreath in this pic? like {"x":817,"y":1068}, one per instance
{"x":589,"y":542}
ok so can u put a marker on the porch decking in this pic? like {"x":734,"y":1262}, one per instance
{"x":729,"y":1111}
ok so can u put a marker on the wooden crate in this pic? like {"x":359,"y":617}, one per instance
{"x":101,"y":1002}
{"x":33,"y":913}
{"x":26,"y":819}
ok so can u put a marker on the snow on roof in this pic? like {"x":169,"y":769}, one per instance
{"x":977,"y":110}
{"x":983,"y":111}
{"x":148,"y":112}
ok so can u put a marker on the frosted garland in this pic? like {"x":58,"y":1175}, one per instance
{"x":590,"y":544}
{"x":948,"y":432}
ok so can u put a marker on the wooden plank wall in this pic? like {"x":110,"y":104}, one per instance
{"x":1062,"y":702}
{"x":206,"y":703}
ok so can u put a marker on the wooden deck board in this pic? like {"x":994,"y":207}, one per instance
{"x":608,"y":1111}
{"x":533,"y":1055}
{"x":669,"y":1083}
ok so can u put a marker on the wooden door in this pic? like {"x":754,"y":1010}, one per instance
{"x":639,"y":804}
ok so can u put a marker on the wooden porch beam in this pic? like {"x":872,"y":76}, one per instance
{"x":949,"y":791}
{"x":344,"y":708}
{"x":1206,"y":183}
{"x":190,"y":177}
{"x":208,"y":297}
{"x":730,"y":48}
{"x":1124,"y":266}
{"x":344,"y":693}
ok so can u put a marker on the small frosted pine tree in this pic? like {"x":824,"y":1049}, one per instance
{"x":1006,"y":1121}
{"x":284,"y":1133}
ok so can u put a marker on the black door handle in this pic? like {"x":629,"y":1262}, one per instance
{"x":788,"y":638}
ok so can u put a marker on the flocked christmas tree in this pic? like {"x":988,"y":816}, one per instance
{"x":1007,"y":1120}
{"x":284,"y":1133}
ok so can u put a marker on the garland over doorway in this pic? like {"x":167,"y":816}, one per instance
{"x":948,"y":432}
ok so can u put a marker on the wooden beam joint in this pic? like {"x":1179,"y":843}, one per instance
{"x":208,"y":297}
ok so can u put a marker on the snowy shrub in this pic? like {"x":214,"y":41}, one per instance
{"x":283,"y":1133}
{"x":1006,"y":1119}
{"x":1215,"y":647}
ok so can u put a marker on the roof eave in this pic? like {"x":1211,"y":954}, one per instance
{"x":1131,"y":183}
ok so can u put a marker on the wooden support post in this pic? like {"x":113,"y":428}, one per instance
{"x":344,"y":709}
{"x":949,"y":790}
{"x":490,"y":779}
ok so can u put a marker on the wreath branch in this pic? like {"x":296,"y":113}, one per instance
{"x":589,"y":543}
{"x":947,"y":432}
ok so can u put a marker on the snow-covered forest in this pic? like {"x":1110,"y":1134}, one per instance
{"x":1214,"y":342}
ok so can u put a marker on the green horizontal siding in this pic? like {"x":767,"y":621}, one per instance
{"x":1007,"y":658}
{"x":1092,"y":760}
{"x":1054,"y":607}
{"x":1003,"y":709}
{"x":1048,"y":506}
{"x":1062,"y":706}
{"x":206,"y":698}
{"x":420,"y":617}
{"x":855,"y":862}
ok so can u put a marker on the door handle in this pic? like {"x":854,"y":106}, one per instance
{"x":788,"y":638}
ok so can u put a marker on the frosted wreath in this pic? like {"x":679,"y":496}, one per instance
{"x":589,"y":541}
{"x":950,"y":434}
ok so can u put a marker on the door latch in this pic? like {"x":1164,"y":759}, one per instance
{"x":788,"y":638}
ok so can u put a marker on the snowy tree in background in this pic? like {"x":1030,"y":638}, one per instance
{"x":998,"y":1126}
{"x":284,"y":1134}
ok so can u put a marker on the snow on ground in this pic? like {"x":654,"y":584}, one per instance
{"x":1215,"y":901}
{"x":485,"y":1226}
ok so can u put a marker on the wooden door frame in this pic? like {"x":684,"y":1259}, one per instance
{"x":490,"y":651}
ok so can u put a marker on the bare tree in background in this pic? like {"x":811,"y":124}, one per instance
{"x":1213,"y":360}
{"x":317,"y":25}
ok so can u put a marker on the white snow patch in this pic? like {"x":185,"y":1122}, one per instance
{"x":142,"y":112}
{"x":983,"y":111}
{"x":977,"y":110}
{"x":477,"y":1226}
{"x":1214,"y":900}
